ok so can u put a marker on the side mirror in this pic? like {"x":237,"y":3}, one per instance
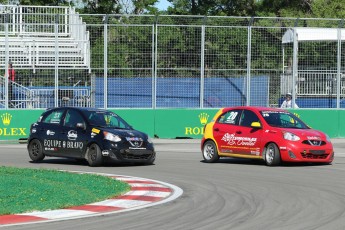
{"x":81,"y":125}
{"x":256,"y":125}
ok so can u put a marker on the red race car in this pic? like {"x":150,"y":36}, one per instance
{"x":274,"y":135}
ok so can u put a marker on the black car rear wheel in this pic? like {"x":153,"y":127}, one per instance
{"x":35,"y":150}
{"x":94,"y":155}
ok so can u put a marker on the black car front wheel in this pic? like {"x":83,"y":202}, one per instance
{"x":94,"y":155}
{"x":35,"y":150}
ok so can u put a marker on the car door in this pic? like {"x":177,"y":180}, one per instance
{"x":49,"y":132}
{"x":248,"y":139}
{"x":224,"y":130}
{"x":74,"y":139}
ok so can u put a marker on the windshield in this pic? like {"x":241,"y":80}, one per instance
{"x":283,"y":119}
{"x":106,"y":119}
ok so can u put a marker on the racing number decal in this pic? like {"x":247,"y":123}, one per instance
{"x":231,"y":118}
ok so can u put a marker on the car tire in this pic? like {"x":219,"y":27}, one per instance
{"x":94,"y":155}
{"x":35,"y":150}
{"x":151,"y":160}
{"x":210,"y":152}
{"x":272,"y":155}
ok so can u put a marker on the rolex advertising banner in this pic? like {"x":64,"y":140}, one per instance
{"x":140,"y":119}
{"x":15,"y":124}
{"x":329,"y":121}
{"x":170,"y":123}
{"x":182,"y":123}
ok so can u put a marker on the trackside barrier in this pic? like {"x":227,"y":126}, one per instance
{"x":170,"y":123}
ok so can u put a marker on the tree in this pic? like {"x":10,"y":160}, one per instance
{"x":284,"y":8}
{"x":142,"y":6}
{"x":45,"y":2}
{"x":211,"y":7}
{"x":119,"y":6}
{"x":101,"y":7}
{"x":328,"y":8}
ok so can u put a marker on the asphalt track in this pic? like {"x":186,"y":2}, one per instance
{"x":230,"y":194}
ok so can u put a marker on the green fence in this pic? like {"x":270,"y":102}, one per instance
{"x":170,"y":123}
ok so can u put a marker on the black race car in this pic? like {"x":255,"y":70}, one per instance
{"x":96,"y":135}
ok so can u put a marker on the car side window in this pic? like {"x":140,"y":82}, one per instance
{"x":231,"y":117}
{"x":72,"y":118}
{"x":54,"y":117}
{"x":248,"y":117}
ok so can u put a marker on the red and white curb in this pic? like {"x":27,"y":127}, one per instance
{"x":144,"y":193}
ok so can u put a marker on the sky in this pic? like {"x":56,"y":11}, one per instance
{"x":163,"y":4}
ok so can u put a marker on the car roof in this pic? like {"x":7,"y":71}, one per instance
{"x":79,"y":108}
{"x":253,"y":108}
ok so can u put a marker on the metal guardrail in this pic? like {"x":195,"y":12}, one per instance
{"x":313,"y":84}
{"x":31,"y":98}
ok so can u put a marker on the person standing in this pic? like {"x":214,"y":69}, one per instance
{"x":11,"y":79}
{"x":287,"y":103}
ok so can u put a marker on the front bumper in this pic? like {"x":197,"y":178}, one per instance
{"x":307,"y":153}
{"x":127,"y":154}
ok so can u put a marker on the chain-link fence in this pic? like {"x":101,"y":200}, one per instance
{"x":128,"y":61}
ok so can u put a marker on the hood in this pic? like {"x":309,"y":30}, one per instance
{"x":307,"y":134}
{"x":127,"y":133}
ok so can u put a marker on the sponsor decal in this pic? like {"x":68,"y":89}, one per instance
{"x":313,"y":138}
{"x":50,"y":149}
{"x":232,"y":139}
{"x":226,"y":150}
{"x":134,"y":139}
{"x":55,"y":144}
{"x":50,"y":133}
{"x":52,"y":143}
{"x":72,"y":135}
{"x":6,"y":119}
{"x":231,"y":118}
{"x":255,"y":152}
{"x":94,"y":130}
{"x":107,"y":119}
{"x":74,"y":145}
{"x":203,"y":119}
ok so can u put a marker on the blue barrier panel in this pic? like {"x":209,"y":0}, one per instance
{"x":177,"y":92}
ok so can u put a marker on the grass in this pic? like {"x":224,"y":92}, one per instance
{"x":26,"y":190}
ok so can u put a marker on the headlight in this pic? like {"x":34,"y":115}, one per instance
{"x":111,"y":137}
{"x":328,"y":139}
{"x":290,"y":136}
